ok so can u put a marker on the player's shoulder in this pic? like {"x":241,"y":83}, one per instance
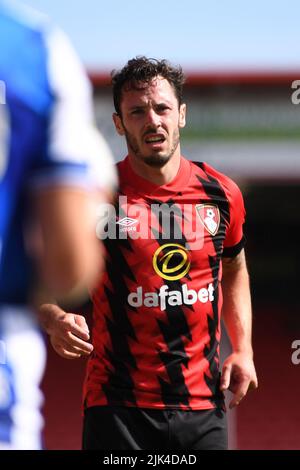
{"x":24,"y":16}
{"x":228,"y":184}
{"x":24,"y":23}
{"x":24,"y":57}
{"x":26,"y":26}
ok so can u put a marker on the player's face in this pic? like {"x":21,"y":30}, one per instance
{"x":150,"y":121}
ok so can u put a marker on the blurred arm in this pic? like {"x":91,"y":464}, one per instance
{"x":74,"y":175}
{"x":71,"y":254}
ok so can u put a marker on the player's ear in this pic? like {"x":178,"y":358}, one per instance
{"x":182,"y":114}
{"x":118,"y":124}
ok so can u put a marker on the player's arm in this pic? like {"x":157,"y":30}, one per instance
{"x":71,"y":255}
{"x":238,"y":373}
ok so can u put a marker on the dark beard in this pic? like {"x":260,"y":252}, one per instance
{"x":155,"y":161}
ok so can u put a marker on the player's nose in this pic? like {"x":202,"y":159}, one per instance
{"x":153,"y":118}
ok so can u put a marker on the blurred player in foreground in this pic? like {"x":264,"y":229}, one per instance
{"x":174,"y":249}
{"x":54,"y":168}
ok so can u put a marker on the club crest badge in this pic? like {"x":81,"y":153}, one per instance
{"x":210,"y":217}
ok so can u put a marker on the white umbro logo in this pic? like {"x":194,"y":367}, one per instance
{"x":127,"y":222}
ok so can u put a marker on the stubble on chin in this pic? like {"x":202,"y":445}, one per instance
{"x":157,"y":161}
{"x":154,"y":160}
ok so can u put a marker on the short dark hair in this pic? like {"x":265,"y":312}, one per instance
{"x":143,"y":70}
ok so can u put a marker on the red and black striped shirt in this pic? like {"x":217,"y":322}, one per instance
{"x":156,"y":330}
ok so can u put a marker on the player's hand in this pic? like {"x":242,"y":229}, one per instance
{"x":69,"y":333}
{"x":238,"y":376}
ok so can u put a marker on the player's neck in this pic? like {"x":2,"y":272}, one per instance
{"x":159,"y":176}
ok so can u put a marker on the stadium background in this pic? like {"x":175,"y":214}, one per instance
{"x":240,"y":119}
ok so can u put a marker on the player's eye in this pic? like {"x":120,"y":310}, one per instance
{"x":162,"y":108}
{"x":137,"y":111}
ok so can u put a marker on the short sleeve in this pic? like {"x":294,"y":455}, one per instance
{"x":75,"y":151}
{"x":234,"y":240}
